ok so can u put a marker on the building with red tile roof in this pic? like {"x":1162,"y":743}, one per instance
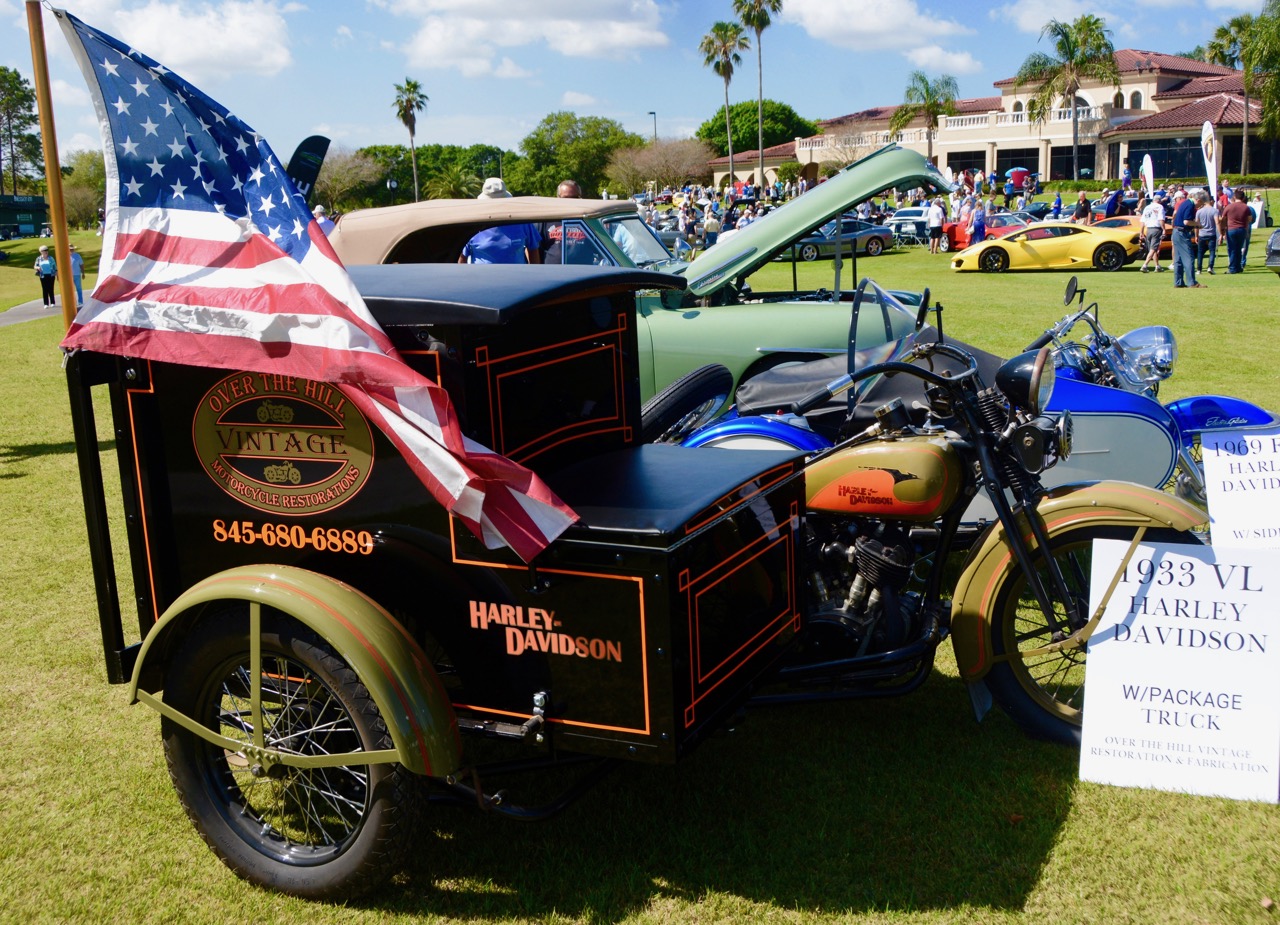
{"x":1158,"y":109}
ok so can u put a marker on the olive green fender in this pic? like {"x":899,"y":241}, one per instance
{"x":991,"y":560}
{"x":389,"y":663}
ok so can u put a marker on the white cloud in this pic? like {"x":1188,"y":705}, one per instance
{"x":934,"y":59}
{"x":68,"y":94}
{"x":510,"y":69}
{"x":1032,"y":15}
{"x":870,"y":25}
{"x":342,"y":36}
{"x":468,"y":35}
{"x":207,"y":41}
{"x":574,"y":98}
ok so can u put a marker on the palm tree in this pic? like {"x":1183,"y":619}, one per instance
{"x":929,"y":98}
{"x":453,"y":182}
{"x":720,"y":49}
{"x":410,"y":100}
{"x":1230,"y":48}
{"x":755,"y":15}
{"x":1262,"y":67}
{"x":1084,"y":53}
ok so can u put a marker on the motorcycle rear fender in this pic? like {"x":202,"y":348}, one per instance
{"x":394,"y":669}
{"x":991,"y":560}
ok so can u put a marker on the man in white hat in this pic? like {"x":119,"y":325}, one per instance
{"x":325,"y":223}
{"x":503,"y":243}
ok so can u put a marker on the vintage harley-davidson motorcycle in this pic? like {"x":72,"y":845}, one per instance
{"x":317,"y":632}
{"x":892,"y":490}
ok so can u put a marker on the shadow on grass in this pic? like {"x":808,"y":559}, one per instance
{"x":886,"y":805}
{"x":11,"y":455}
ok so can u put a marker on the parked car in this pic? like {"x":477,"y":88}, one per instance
{"x":955,"y":235}
{"x":718,"y":318}
{"x":1135,"y":223}
{"x":1273,"y":252}
{"x":668,"y":228}
{"x":909,"y":221}
{"x":1051,"y":245}
{"x":871,"y":240}
{"x":1129,"y":206}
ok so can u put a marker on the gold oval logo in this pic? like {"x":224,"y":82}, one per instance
{"x":283,"y":445}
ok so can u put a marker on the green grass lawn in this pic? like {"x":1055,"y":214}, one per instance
{"x":892,"y":811}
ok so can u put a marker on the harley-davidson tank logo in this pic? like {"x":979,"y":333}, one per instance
{"x":283,"y":445}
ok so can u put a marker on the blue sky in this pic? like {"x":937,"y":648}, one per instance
{"x":494,"y":68}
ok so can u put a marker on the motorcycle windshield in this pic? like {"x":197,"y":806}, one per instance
{"x":876,"y":317}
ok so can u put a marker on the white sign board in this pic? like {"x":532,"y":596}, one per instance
{"x":1184,"y":671}
{"x":1242,"y":477}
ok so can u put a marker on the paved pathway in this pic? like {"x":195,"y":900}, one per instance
{"x":28,"y":311}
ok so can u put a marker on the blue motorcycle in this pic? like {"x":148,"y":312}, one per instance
{"x":1109,"y":384}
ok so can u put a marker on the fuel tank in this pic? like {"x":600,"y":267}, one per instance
{"x":909,"y":478}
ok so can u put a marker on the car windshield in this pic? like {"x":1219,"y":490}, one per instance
{"x":637,"y":240}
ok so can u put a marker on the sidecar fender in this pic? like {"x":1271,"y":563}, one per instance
{"x":1206,"y":413}
{"x":388,"y":662}
{"x":990,"y":559}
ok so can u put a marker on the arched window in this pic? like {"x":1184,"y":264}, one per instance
{"x":1118,"y":101}
{"x":1017,"y":106}
{"x":1135,"y":100}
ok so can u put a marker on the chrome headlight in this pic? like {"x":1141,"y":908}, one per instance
{"x":1027,"y":380}
{"x":1151,"y":352}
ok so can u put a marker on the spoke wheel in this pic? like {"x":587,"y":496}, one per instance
{"x":809,"y":252}
{"x":944,"y":243}
{"x":875,"y":246}
{"x":1044,"y":694}
{"x":993,"y":260}
{"x":313,"y":832}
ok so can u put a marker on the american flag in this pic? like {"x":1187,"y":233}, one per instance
{"x":210,"y":258}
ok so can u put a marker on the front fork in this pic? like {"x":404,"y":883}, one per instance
{"x":1018,"y":545}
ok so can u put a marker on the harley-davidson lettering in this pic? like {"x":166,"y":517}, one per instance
{"x":534,"y":630}
{"x":282,"y":445}
{"x":861,"y":494}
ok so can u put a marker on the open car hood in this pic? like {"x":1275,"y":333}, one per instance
{"x":747,"y":250}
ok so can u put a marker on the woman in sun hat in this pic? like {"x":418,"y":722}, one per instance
{"x":47,"y":270}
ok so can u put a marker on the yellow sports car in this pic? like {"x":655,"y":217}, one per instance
{"x":1050,"y":245}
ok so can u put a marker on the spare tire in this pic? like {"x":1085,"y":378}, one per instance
{"x":685,"y":404}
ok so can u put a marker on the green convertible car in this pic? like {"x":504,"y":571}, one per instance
{"x":717,"y":318}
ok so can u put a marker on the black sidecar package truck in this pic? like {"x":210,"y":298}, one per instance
{"x":321,"y":636}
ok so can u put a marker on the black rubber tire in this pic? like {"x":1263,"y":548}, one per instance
{"x":808,"y":252}
{"x":320,"y":834}
{"x":1045,"y":697}
{"x":1109,"y":257}
{"x":944,"y":243}
{"x":875,"y":247}
{"x":685,"y":404}
{"x":993,"y":260}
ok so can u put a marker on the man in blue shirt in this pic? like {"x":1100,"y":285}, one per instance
{"x":1184,"y":243}
{"x":505,"y":243}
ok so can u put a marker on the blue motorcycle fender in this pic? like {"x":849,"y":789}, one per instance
{"x":756,"y":432}
{"x":1205,"y":413}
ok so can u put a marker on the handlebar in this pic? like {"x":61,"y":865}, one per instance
{"x":845,"y":382}
{"x":1066,"y":324}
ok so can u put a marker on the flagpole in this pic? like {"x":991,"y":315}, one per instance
{"x":52,"y":167}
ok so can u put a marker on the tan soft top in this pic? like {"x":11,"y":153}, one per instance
{"x":435,"y":231}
